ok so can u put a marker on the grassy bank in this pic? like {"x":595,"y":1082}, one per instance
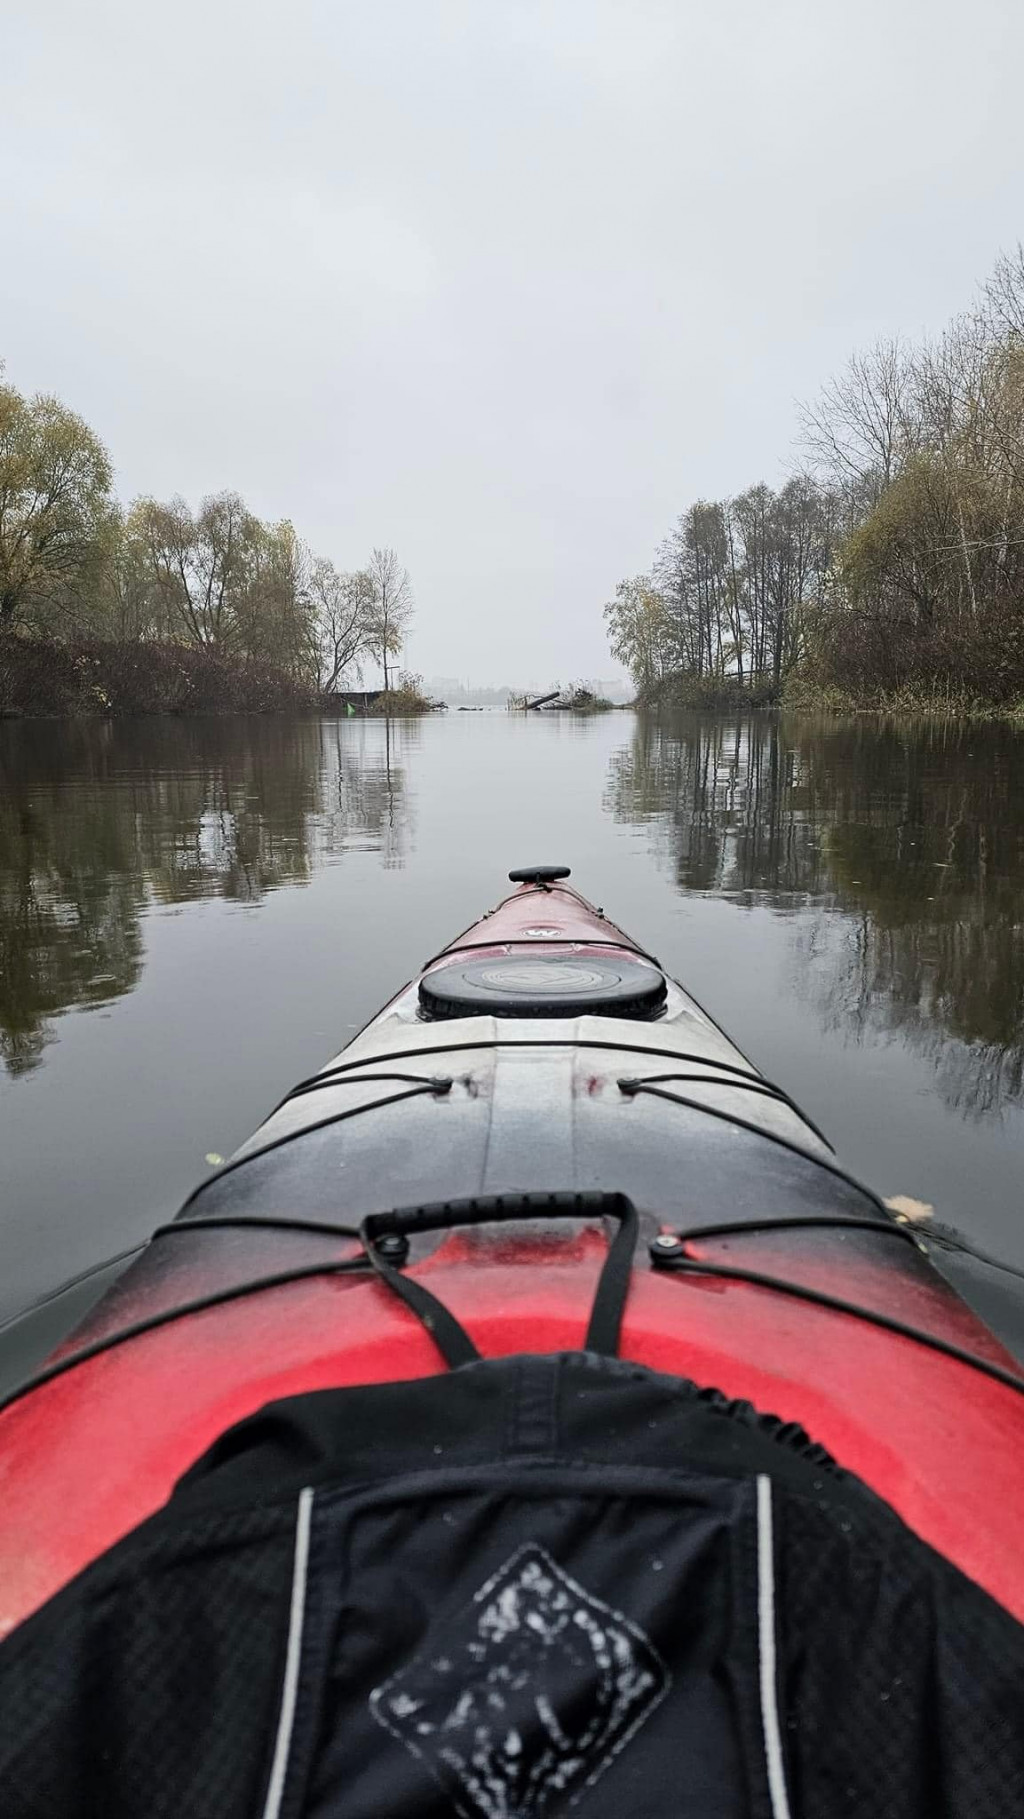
{"x":946,"y":700}
{"x":707,"y":694}
{"x":805,"y":693}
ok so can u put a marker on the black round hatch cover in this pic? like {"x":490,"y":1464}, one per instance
{"x":548,"y":985}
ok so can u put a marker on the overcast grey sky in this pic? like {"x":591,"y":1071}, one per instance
{"x":505,"y":283}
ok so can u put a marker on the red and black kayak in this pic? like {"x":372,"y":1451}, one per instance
{"x":538,"y":1088}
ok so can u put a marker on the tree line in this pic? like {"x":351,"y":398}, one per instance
{"x":890,"y":564}
{"x":78,"y":567}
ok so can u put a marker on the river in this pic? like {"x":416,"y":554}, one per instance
{"x":196,"y":913}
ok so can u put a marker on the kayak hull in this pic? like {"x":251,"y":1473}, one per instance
{"x":531,"y":1105}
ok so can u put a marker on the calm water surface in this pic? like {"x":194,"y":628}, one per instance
{"x":193,"y":914}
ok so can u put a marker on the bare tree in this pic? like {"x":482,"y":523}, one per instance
{"x":863,"y":422}
{"x":392,"y":605}
{"x":737,"y":589}
{"x":344,"y":620}
{"x":1004,"y":294}
{"x":693,"y":573}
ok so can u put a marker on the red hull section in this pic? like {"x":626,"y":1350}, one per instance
{"x":85,"y":1458}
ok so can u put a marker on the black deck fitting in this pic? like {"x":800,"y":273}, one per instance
{"x":539,"y":874}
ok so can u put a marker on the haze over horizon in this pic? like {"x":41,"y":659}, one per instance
{"x":505,"y":287}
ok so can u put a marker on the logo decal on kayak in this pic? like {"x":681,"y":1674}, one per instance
{"x":523,"y":1698}
{"x":544,"y":934}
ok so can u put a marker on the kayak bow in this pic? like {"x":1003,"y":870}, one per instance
{"x":541,"y":1061}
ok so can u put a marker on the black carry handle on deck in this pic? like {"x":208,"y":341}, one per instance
{"x":451,"y":1338}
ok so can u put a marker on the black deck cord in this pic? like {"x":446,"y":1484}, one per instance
{"x":70,"y":1282}
{"x":943,"y":1239}
{"x":168,"y":1315}
{"x":284,"y":1222}
{"x":317,"y":1080}
{"x":441,"y":1085}
{"x":605,"y":1319}
{"x":766,"y":1087}
{"x":452,"y":1340}
{"x":329,"y":1075}
{"x":176,"y":1228}
{"x":690,"y":1266}
{"x":602,"y":1042}
{"x":632,"y":1087}
{"x":889,"y":1228}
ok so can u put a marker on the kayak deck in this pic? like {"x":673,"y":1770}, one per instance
{"x":529,"y":1104}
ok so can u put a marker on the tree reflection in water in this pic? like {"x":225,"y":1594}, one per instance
{"x":99,"y":822}
{"x":903,"y":843}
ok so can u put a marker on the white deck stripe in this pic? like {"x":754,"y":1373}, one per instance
{"x":766,"y":1651}
{"x":290,"y":1687}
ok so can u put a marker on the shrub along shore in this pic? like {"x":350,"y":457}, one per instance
{"x":51,"y":677}
{"x":804,"y":694}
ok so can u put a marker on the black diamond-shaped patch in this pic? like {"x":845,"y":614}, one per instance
{"x":526,"y":1695}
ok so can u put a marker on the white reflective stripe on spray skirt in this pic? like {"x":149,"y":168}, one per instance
{"x":290,"y":1685}
{"x":766,"y":1651}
